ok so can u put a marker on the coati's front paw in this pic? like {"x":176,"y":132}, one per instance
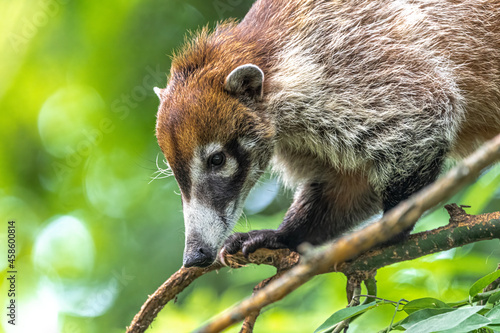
{"x":249,"y":242}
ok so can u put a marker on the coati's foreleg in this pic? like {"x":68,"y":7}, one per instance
{"x":320,"y":211}
{"x":402,"y":186}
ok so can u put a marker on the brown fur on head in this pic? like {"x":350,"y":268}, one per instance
{"x":199,"y":111}
{"x":191,"y":116}
{"x":196,"y":107}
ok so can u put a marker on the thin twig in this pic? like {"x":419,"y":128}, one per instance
{"x":249,"y":322}
{"x":356,"y":291}
{"x":282,"y":266}
{"x":371,"y":290}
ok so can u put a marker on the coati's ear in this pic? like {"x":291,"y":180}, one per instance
{"x":245,"y":80}
{"x":158,"y":92}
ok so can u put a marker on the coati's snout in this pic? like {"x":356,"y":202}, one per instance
{"x":206,"y":230}
{"x":198,"y":257}
{"x":197,"y":253}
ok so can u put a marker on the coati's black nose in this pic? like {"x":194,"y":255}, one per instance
{"x":201,"y":257}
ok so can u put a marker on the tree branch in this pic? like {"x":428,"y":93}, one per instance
{"x":282,"y":259}
{"x":165,"y":293}
{"x":463,"y":229}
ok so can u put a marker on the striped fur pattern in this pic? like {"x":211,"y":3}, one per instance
{"x":361,"y":103}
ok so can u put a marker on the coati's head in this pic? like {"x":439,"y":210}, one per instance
{"x":217,"y":144}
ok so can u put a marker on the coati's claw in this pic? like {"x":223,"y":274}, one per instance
{"x":221,"y":257}
{"x":235,"y":242}
{"x":251,"y":241}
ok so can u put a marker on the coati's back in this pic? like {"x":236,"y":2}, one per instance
{"x":377,"y":56}
{"x":357,"y":104}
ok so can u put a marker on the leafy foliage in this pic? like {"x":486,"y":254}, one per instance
{"x":428,"y":315}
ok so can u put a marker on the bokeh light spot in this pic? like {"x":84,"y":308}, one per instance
{"x":64,"y":248}
{"x":68,"y":117}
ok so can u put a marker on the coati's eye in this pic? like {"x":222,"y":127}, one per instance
{"x":217,"y":159}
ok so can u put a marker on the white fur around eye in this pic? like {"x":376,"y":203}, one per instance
{"x":247,"y":143}
{"x":201,"y":161}
{"x":209,"y":149}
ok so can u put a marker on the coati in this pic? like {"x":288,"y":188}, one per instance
{"x":355,"y":103}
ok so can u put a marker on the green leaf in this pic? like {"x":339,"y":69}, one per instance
{"x":447,"y":321}
{"x":473,"y":322}
{"x":483,"y":282}
{"x":495,"y":328}
{"x":345,"y":313}
{"x":424,"y":303}
{"x":422,"y":314}
{"x":494,"y":298}
{"x":398,"y":327}
{"x":494,"y":315}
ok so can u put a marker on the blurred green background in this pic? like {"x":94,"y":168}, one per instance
{"x":95,"y":233}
